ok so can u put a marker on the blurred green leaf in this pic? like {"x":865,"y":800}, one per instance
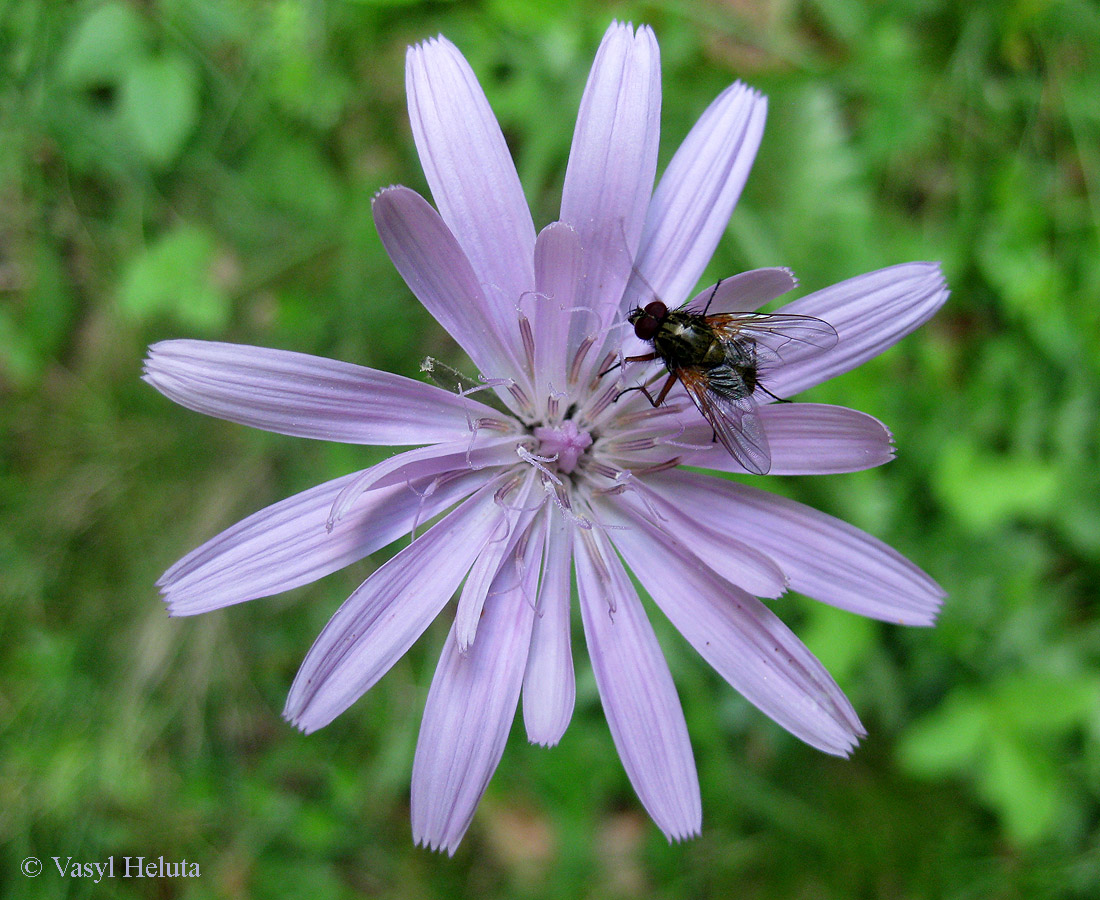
{"x":993,"y":733}
{"x":104,"y":46}
{"x":19,"y":360}
{"x":947,"y":740}
{"x":1023,"y":783}
{"x":160,"y":105}
{"x":984,"y":489}
{"x":812,"y":176}
{"x":294,"y":175}
{"x":1040,"y":703}
{"x":175,"y":276}
{"x":299,"y":69}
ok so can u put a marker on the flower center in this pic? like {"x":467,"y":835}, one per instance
{"x":565,"y":441}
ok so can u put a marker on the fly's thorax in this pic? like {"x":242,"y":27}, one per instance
{"x":685,"y":339}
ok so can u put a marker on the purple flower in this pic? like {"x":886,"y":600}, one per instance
{"x":555,"y":475}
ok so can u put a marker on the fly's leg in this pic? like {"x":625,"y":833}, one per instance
{"x":660,"y":397}
{"x":712,"y":293}
{"x":664,"y":390}
{"x":645,"y":357}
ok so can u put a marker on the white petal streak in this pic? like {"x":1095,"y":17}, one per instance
{"x":824,"y":557}
{"x":470,"y":708}
{"x":470,"y":171}
{"x":388,"y":612}
{"x":808,"y":439}
{"x":612,"y":163}
{"x":307,"y":396}
{"x":740,"y":637}
{"x":696,"y":195}
{"x":870,"y":313}
{"x":288,"y":544}
{"x":636,"y":690}
{"x":549,"y":686}
{"x":424,"y":250}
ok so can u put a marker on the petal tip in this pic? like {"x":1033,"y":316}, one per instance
{"x":683,"y":833}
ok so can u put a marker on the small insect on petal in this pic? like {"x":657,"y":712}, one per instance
{"x":721,"y":361}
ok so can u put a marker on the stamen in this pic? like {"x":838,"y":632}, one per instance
{"x":485,"y":383}
{"x":521,"y":398}
{"x":561,"y":499}
{"x":598,"y":468}
{"x":530,"y":295}
{"x":604,"y":401}
{"x":606,"y":366}
{"x":659,"y":467}
{"x":578,"y":359}
{"x":581,"y":309}
{"x":491,"y":425}
{"x":669,"y":407}
{"x":628,"y":482}
{"x":619,"y":326}
{"x":470,"y":447}
{"x":498,"y":499}
{"x":632,"y":446}
{"x":520,"y":570}
{"x":528,"y":339}
{"x":534,"y":508}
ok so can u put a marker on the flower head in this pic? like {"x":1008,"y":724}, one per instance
{"x":559,"y":472}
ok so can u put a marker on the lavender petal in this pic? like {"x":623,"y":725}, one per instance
{"x":807,"y":439}
{"x":696,"y":195}
{"x":549,"y":687}
{"x":470,"y":708}
{"x":744,"y":292}
{"x":718,"y":549}
{"x":436,"y":269}
{"x":307,"y":396}
{"x":870,"y":313}
{"x":288,"y":544}
{"x":740,"y":637}
{"x":431,"y":461}
{"x":825,"y":558}
{"x":388,"y":612}
{"x":471,"y":173}
{"x":492,"y":563}
{"x":636,"y":690}
{"x":558,"y":271}
{"x":612,"y":163}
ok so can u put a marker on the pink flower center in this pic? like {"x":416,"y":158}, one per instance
{"x":565,"y":441}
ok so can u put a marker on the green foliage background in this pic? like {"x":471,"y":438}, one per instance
{"x":204,"y":168}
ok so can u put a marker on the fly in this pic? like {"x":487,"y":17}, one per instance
{"x":718,"y":359}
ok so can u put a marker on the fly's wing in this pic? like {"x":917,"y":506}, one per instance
{"x":775,"y":338}
{"x":734,"y":421}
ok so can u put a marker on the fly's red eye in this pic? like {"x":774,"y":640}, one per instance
{"x":656,"y":309}
{"x":646,"y":326}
